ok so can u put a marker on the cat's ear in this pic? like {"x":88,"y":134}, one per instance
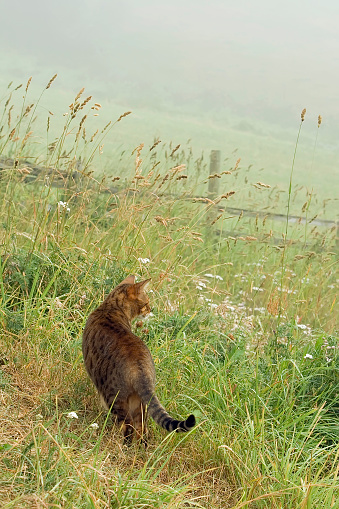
{"x":129,"y":280}
{"x":143,"y":285}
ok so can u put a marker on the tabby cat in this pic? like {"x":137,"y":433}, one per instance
{"x":120,"y":364}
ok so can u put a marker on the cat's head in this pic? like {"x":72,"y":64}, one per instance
{"x":135,"y":301}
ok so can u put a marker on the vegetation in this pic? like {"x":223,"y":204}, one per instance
{"x":243,"y":331}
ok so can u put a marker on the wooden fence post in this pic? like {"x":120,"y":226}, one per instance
{"x":213,"y":183}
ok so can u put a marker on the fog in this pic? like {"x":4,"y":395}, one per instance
{"x":262,"y":61}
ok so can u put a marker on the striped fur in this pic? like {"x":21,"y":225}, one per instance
{"x":120,"y":364}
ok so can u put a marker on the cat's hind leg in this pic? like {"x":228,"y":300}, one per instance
{"x":123,"y":419}
{"x":138,"y":414}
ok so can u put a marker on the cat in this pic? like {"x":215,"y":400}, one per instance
{"x":120,"y":364}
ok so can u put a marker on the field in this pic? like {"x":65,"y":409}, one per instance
{"x":243,"y":330}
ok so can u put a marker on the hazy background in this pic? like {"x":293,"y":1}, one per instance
{"x":227,"y":75}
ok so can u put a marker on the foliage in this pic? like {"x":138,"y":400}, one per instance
{"x":242,"y":332}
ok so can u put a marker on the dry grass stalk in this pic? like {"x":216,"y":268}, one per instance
{"x":303,"y":113}
{"x":8,"y":101}
{"x":51,"y":81}
{"x":94,"y":135}
{"x":138,"y":159}
{"x":154,"y":145}
{"x":174,"y":150}
{"x":215,"y":175}
{"x":83,"y":104}
{"x":28,"y":109}
{"x":204,"y":200}
{"x":261,"y":184}
{"x":181,"y":167}
{"x":237,"y":164}
{"x":124,"y":115}
{"x":273,"y":304}
{"x":79,"y":94}
{"x":106,"y":126}
{"x":216,"y":219}
{"x":227,"y":195}
{"x":10,"y":116}
{"x":26,"y":137}
{"x":28,"y":83}
{"x":80,"y":125}
{"x":319,"y":120}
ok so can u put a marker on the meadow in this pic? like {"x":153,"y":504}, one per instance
{"x":243,"y":328}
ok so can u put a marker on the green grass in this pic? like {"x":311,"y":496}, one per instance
{"x":243,"y":332}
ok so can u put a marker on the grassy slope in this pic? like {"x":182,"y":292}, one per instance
{"x":266,"y":148}
{"x":243,"y":334}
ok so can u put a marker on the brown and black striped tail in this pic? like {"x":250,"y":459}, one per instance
{"x":163,"y":419}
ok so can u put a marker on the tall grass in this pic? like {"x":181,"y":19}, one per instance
{"x":243,"y":332}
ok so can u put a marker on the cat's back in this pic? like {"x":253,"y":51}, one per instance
{"x":108,"y":339}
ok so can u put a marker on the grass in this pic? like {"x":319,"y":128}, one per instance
{"x":243,"y":331}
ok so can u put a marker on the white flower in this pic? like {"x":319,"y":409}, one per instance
{"x":144,"y":260}
{"x":308,"y":356}
{"x":64,"y":205}
{"x":94,"y":425}
{"x":200,"y":283}
{"x":150,"y":315}
{"x":301,"y":326}
{"x":72,"y":415}
{"x":213,"y":305}
{"x":216,"y":277}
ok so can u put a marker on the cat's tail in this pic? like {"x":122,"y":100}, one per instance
{"x":161,"y":417}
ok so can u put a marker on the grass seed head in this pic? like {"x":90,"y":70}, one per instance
{"x":124,"y":115}
{"x":51,"y":81}
{"x":85,"y":101}
{"x":154,"y":145}
{"x":28,"y":83}
{"x":303,"y":113}
{"x":320,"y":118}
{"x":79,"y":94}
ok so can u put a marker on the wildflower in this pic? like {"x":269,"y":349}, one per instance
{"x":216,"y":277}
{"x":144,"y":260}
{"x":150,"y":315}
{"x":64,"y":205}
{"x":94,"y":425}
{"x":72,"y":415}
{"x":308,"y":356}
{"x":201,"y":285}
